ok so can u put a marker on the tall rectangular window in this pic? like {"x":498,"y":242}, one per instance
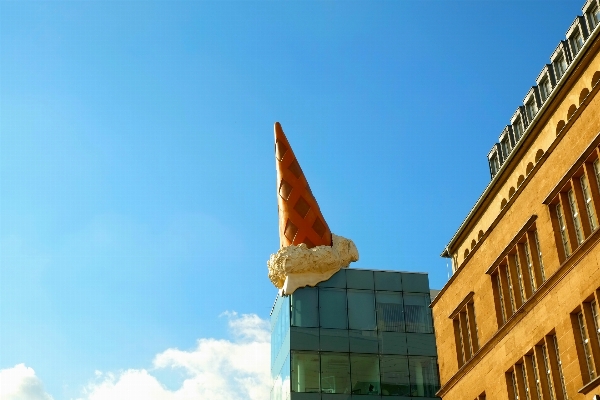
{"x":494,"y":164}
{"x":545,"y":89}
{"x":539,"y":254}
{"x":304,"y":304}
{"x":536,"y":376}
{"x":525,"y":383}
{"x":365,"y":374}
{"x":589,"y":206}
{"x":417,"y":313}
{"x":596,"y":318}
{"x":529,"y":266}
{"x":335,"y":373}
{"x":394,"y":375}
{"x":576,"y":217}
{"x":593,"y":17}
{"x":548,"y":371}
{"x":576,"y":42}
{"x":531,"y":109}
{"x":520,"y":278}
{"x":560,"y":66}
{"x":332,"y":308}
{"x":587,"y":349}
{"x":500,"y":297}
{"x":597,"y":171}
{"x":305,"y":372}
{"x":559,"y":364}
{"x":390,"y":311}
{"x":361,"y":309}
{"x":563,"y":230}
{"x":465,"y":332}
{"x":518,"y":129}
{"x":425,"y":381}
{"x":510,"y":290}
{"x":513,"y":383}
{"x":505,"y":147}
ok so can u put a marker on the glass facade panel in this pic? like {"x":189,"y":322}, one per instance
{"x":423,"y":376}
{"x":361,"y":309}
{"x":388,"y":281}
{"x":305,"y":372}
{"x":334,"y":340}
{"x":363,"y":342}
{"x":335,"y":373}
{"x":412,"y":282}
{"x":392,"y":343}
{"x":305,"y":305}
{"x":365,"y":374}
{"x":304,"y":338}
{"x":359,"y":279}
{"x":332,"y":308}
{"x":417,"y":313}
{"x":394,"y":376}
{"x":341,"y":343}
{"x":390,"y":311}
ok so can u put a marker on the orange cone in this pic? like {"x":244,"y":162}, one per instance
{"x":300,"y":219}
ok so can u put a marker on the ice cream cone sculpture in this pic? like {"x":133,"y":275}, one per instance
{"x":309,"y":253}
{"x":300,"y":219}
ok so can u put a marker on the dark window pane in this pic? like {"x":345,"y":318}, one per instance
{"x":392,"y":343}
{"x":359,"y":279}
{"x":365,"y":374}
{"x":363,"y":341}
{"x":421,"y":344}
{"x":332,"y":308}
{"x":306,"y":339}
{"x":305,"y":308}
{"x":394,"y":376}
{"x":415,"y":282}
{"x":390,"y":311}
{"x":335,"y":373}
{"x":417,"y":314}
{"x":361,"y":309}
{"x":424,"y":381}
{"x":334,"y":340}
{"x":385,"y":280}
{"x":305,"y":372}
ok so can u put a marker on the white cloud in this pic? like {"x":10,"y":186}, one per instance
{"x":21,"y":383}
{"x":217,"y":369}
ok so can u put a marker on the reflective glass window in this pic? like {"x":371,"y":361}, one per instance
{"x":332,"y":308}
{"x":390,"y":311}
{"x":359,"y":279}
{"x":365,"y":374}
{"x":305,"y":311}
{"x":424,"y":381}
{"x":363,"y":341}
{"x":305,"y":372}
{"x":394,"y":376}
{"x":385,"y":280}
{"x":417,"y":314}
{"x":335,"y":373}
{"x":334,"y":340}
{"x":361,"y":309}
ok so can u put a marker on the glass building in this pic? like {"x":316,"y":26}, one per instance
{"x":360,"y":333}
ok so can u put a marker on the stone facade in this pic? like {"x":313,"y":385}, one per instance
{"x":519,"y":316}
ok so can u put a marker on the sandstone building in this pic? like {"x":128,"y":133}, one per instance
{"x":519,"y":318}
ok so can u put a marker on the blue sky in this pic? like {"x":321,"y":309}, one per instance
{"x":137,"y":168}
